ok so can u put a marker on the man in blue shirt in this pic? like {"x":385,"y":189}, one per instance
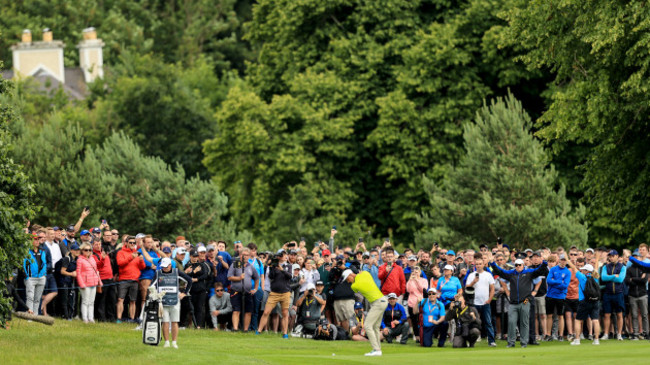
{"x":433,"y":320}
{"x":557,"y":281}
{"x":394,"y":322}
{"x":613,"y":275}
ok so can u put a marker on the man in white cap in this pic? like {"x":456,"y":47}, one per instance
{"x":589,"y":301}
{"x":363,"y":283}
{"x":521,"y":293}
{"x":167,"y":281}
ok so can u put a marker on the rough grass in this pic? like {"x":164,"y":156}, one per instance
{"x":76,"y":343}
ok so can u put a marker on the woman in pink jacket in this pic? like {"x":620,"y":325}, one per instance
{"x":416,"y":286}
{"x":88,"y":280}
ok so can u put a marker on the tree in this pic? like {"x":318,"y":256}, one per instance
{"x":502,"y":187}
{"x":598,"y":54}
{"x":16,"y":204}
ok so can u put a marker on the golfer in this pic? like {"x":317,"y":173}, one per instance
{"x":364,"y":283}
{"x":167,"y":280}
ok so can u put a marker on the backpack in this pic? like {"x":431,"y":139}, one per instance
{"x":592,"y":289}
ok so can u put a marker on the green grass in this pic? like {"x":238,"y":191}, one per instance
{"x":76,"y":343}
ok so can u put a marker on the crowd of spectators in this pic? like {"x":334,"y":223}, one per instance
{"x":493,"y":294}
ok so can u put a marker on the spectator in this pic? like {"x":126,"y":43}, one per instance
{"x":432,"y":320}
{"x":106,"y":295}
{"x":198,"y":271}
{"x":637,"y":280}
{"x":35,"y":267}
{"x":180,"y":257}
{"x":280,"y":280}
{"x":258,"y":297}
{"x":129,"y":265}
{"x":521,"y":284}
{"x":416,"y":286}
{"x":483,"y":284}
{"x":309,"y":274}
{"x":167,"y":280}
{"x":558,"y":280}
{"x":68,"y":274}
{"x":50,"y":291}
{"x":245,"y":280}
{"x":391,"y":275}
{"x":588,"y":306}
{"x":225,"y":260}
{"x":88,"y":280}
{"x":467,"y":321}
{"x":220,"y":307}
{"x":310,"y":306}
{"x":448,"y":286}
{"x":147,"y":273}
{"x":394,"y":321}
{"x":357,"y":323}
{"x":612,"y":276}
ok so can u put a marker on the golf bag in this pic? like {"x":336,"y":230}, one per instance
{"x":151,"y":326}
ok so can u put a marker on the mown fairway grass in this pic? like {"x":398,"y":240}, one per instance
{"x":76,"y":343}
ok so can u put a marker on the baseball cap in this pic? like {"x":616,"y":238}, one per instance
{"x":181,"y":251}
{"x":311,"y":286}
{"x":413,"y":258}
{"x":612,"y":253}
{"x":211,"y":248}
{"x":74,"y":246}
{"x":293,"y":252}
{"x":326,"y":253}
{"x":635,"y":253}
{"x":340,"y":257}
{"x":295,"y":266}
{"x":448,"y":267}
{"x":432,"y":290}
{"x":589,"y":250}
{"x":165,"y":262}
{"x":358,"y":305}
{"x":201,"y":249}
{"x":482,"y":245}
{"x":562,"y":256}
{"x":97,"y":230}
{"x":56,"y":228}
{"x":320,"y":282}
{"x":528,"y":250}
{"x":85,"y":231}
{"x":167,"y":250}
{"x":519,"y":262}
{"x":451,"y":253}
{"x":537,"y":253}
{"x":194,"y":253}
{"x":140,"y":235}
{"x":588,"y":267}
{"x":70,"y":228}
{"x":345,"y":274}
{"x":392,"y":296}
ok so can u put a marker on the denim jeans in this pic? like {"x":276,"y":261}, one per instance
{"x":486,"y":318}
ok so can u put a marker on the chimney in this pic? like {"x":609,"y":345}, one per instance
{"x":47,"y":35}
{"x":27,"y":36}
{"x":91,"y":59}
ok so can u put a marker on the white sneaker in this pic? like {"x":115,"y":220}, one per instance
{"x":596,"y":342}
{"x":604,"y":337}
{"x":166,"y":344}
{"x":575,"y":342}
{"x":374,"y":353}
{"x":174,"y":345}
{"x":582,"y":336}
{"x":138,"y":328}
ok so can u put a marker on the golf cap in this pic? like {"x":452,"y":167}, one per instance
{"x":562,"y":256}
{"x":167,"y":250}
{"x":590,"y":250}
{"x":345,"y":274}
{"x":448,"y":267}
{"x":165,"y":262}
{"x":392,"y":296}
{"x":588,"y":267}
{"x":358,"y":305}
{"x":326,"y":253}
{"x":311,"y":286}
{"x":84,"y":232}
{"x":413,"y":258}
{"x":181,"y":251}
{"x":295,"y":267}
{"x":201,"y":249}
{"x":320,"y":282}
{"x":432,"y":290}
{"x":612,"y":253}
{"x":451,"y":253}
{"x":140,"y":235}
{"x":519,"y":262}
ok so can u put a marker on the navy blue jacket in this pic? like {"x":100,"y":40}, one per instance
{"x":521,"y":283}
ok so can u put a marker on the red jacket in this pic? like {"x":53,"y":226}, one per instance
{"x":103,"y":265}
{"x":393,"y":281}
{"x":87,"y":274}
{"x":129,"y":267}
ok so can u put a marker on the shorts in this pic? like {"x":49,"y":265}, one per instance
{"x":172,"y":313}
{"x":571,"y":305}
{"x":344,"y":309}
{"x":236,"y":301}
{"x":554,"y":306}
{"x":50,"y":285}
{"x":588,"y":309}
{"x":283,"y":299}
{"x":540,"y":305}
{"x":613,"y":303}
{"x":130,"y":287}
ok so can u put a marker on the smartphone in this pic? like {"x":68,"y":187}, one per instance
{"x":103,"y":221}
{"x":435,"y":244}
{"x":334,"y":228}
{"x":87,"y":207}
{"x":302,"y":239}
{"x":291,"y":245}
{"x":360,"y":239}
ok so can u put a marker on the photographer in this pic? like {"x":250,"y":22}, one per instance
{"x":310,"y":306}
{"x":467,"y":321}
{"x":280,"y":293}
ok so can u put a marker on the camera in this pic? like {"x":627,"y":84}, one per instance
{"x":237,"y":264}
{"x":310,"y":292}
{"x":499,"y":240}
{"x":275,"y":261}
{"x":456,"y":303}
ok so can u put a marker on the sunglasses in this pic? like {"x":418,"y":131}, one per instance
{"x":131,"y":242}
{"x":573,"y":254}
{"x":518,"y":265}
{"x":85,"y":250}
{"x":219,"y":291}
{"x":430,"y":294}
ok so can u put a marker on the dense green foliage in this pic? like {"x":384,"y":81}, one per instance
{"x":502,"y":187}
{"x":291,"y":116}
{"x":16,"y":202}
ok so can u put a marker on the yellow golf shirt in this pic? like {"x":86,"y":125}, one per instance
{"x":364,"y":284}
